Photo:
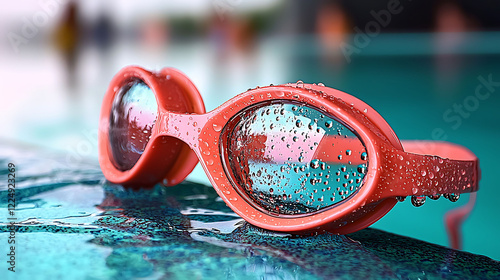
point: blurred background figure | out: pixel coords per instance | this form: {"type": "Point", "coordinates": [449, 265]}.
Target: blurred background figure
{"type": "Point", "coordinates": [416, 62]}
{"type": "Point", "coordinates": [154, 34]}
{"type": "Point", "coordinates": [451, 25]}
{"type": "Point", "coordinates": [68, 36]}
{"type": "Point", "coordinates": [233, 41]}
{"type": "Point", "coordinates": [332, 29]}
{"type": "Point", "coordinates": [103, 31]}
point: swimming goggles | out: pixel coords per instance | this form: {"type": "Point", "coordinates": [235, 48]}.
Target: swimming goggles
{"type": "Point", "coordinates": [295, 158]}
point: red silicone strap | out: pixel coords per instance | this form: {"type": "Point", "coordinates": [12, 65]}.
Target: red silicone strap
{"type": "Point", "coordinates": [429, 168]}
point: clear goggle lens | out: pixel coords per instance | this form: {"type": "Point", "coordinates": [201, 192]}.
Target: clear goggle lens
{"type": "Point", "coordinates": [133, 115]}
{"type": "Point", "coordinates": [293, 159]}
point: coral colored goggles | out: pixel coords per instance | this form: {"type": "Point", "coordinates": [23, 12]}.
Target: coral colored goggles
{"type": "Point", "coordinates": [295, 157]}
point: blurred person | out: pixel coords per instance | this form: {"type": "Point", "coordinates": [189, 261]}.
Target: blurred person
{"type": "Point", "coordinates": [451, 25]}
{"type": "Point", "coordinates": [232, 35]}
{"type": "Point", "coordinates": [103, 32]}
{"type": "Point", "coordinates": [235, 58]}
{"type": "Point", "coordinates": [332, 25]}
{"type": "Point", "coordinates": [154, 34]}
{"type": "Point", "coordinates": [67, 39]}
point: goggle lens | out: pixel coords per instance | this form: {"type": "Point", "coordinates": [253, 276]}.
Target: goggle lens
{"type": "Point", "coordinates": [131, 122]}
{"type": "Point", "coordinates": [293, 159]}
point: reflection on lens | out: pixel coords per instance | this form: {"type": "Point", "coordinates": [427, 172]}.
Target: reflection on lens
{"type": "Point", "coordinates": [294, 159]}
{"type": "Point", "coordinates": [132, 118]}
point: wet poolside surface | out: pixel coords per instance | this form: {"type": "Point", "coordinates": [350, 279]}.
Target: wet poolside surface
{"type": "Point", "coordinates": [72, 224]}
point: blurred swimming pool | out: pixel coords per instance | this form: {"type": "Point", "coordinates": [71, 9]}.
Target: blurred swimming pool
{"type": "Point", "coordinates": [414, 86]}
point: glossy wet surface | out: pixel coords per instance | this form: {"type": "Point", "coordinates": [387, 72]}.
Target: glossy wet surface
{"type": "Point", "coordinates": [71, 224]}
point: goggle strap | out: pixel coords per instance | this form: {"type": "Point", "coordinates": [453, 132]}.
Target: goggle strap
{"type": "Point", "coordinates": [428, 168]}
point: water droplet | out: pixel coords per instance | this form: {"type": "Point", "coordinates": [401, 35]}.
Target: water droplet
{"type": "Point", "coordinates": [314, 163]}
{"type": "Point", "coordinates": [400, 198]}
{"type": "Point", "coordinates": [417, 201]}
{"type": "Point", "coordinates": [423, 173]}
{"type": "Point", "coordinates": [362, 169]}
{"type": "Point", "coordinates": [329, 124]}
{"type": "Point", "coordinates": [210, 162]}
{"type": "Point", "coordinates": [323, 166]}
{"type": "Point", "coordinates": [217, 127]}
{"type": "Point", "coordinates": [453, 197]}
{"type": "Point", "coordinates": [348, 152]}
{"type": "Point", "coordinates": [414, 190]}
{"type": "Point", "coordinates": [435, 197]}
{"type": "Point", "coordinates": [364, 156]}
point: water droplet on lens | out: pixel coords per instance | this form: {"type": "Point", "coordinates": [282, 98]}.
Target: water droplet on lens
{"type": "Point", "coordinates": [315, 163]}
{"type": "Point", "coordinates": [364, 156]}
{"type": "Point", "coordinates": [329, 124]}
{"type": "Point", "coordinates": [362, 169]}
{"type": "Point", "coordinates": [348, 152]}
{"type": "Point", "coordinates": [298, 123]}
